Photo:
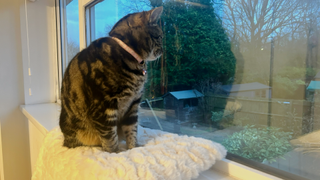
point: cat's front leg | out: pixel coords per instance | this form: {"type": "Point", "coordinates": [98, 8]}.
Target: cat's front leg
{"type": "Point", "coordinates": [129, 124]}
{"type": "Point", "coordinates": [130, 132]}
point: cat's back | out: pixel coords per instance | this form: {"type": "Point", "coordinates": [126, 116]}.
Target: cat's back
{"type": "Point", "coordinates": [102, 70]}
{"type": "Point", "coordinates": [100, 60]}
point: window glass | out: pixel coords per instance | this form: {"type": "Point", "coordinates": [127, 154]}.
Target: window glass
{"type": "Point", "coordinates": [68, 33]}
{"type": "Point", "coordinates": [105, 14]}
{"type": "Point", "coordinates": [252, 66]}
{"type": "Point", "coordinates": [69, 30]}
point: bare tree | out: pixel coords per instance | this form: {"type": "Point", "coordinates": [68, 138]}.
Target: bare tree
{"type": "Point", "coordinates": [72, 49]}
{"type": "Point", "coordinates": [311, 22]}
{"type": "Point", "coordinates": [107, 28]}
{"type": "Point", "coordinates": [253, 23]}
{"type": "Point", "coordinates": [134, 5]}
{"type": "Point", "coordinates": [255, 20]}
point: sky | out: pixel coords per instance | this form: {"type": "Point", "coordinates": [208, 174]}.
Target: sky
{"type": "Point", "coordinates": [72, 14]}
{"type": "Point", "coordinates": [107, 13]}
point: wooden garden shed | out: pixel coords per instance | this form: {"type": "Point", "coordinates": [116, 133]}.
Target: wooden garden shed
{"type": "Point", "coordinates": [179, 104]}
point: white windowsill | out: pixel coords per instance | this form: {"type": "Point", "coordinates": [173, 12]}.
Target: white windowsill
{"type": "Point", "coordinates": [46, 116]}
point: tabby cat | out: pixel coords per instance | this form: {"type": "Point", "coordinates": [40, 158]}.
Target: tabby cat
{"type": "Point", "coordinates": [102, 85]}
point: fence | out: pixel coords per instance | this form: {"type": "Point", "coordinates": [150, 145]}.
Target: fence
{"type": "Point", "coordinates": [316, 116]}
{"type": "Point", "coordinates": [291, 115]}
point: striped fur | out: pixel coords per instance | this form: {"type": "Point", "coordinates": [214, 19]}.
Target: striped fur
{"type": "Point", "coordinates": [102, 85]}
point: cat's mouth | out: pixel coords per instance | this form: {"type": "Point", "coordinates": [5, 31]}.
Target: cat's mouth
{"type": "Point", "coordinates": [154, 55]}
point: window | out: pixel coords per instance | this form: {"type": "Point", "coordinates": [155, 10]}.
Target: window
{"type": "Point", "coordinates": [235, 46]}
{"type": "Point", "coordinates": [69, 30]}
{"type": "Point", "coordinates": [69, 35]}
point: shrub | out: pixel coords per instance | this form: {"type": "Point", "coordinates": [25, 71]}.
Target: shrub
{"type": "Point", "coordinates": [216, 116]}
{"type": "Point", "coordinates": [222, 119]}
{"type": "Point", "coordinates": [297, 72]}
{"type": "Point", "coordinates": [285, 84]}
{"type": "Point", "coordinates": [219, 115]}
{"type": "Point", "coordinates": [259, 144]}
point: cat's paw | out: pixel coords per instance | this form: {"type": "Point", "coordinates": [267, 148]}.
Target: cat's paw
{"type": "Point", "coordinates": [139, 145]}
{"type": "Point", "coordinates": [121, 149]}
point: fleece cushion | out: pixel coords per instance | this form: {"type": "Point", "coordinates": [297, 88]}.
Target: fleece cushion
{"type": "Point", "coordinates": [163, 156]}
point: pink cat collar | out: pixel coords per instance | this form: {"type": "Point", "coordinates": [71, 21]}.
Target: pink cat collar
{"type": "Point", "coordinates": [128, 49]}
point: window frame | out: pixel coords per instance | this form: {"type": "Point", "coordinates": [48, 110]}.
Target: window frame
{"type": "Point", "coordinates": [90, 25]}
{"type": "Point", "coordinates": [85, 12]}
{"type": "Point", "coordinates": [61, 45]}
{"type": "Point", "coordinates": [264, 168]}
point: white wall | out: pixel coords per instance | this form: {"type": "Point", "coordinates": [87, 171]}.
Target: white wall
{"type": "Point", "coordinates": [13, 123]}
{"type": "Point", "coordinates": [14, 78]}
{"type": "Point", "coordinates": [38, 38]}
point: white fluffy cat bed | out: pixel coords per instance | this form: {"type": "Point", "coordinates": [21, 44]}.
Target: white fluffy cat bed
{"type": "Point", "coordinates": [163, 156]}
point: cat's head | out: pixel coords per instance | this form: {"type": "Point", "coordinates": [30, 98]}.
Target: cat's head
{"type": "Point", "coordinates": [141, 32]}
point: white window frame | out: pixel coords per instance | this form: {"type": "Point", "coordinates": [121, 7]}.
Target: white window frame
{"type": "Point", "coordinates": [61, 45]}
{"type": "Point", "coordinates": [90, 25]}
{"type": "Point", "coordinates": [86, 34]}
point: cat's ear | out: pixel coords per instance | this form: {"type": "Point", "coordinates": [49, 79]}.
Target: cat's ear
{"type": "Point", "coordinates": [155, 15]}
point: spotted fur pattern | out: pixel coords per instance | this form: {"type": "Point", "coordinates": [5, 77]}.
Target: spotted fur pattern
{"type": "Point", "coordinates": [102, 85]}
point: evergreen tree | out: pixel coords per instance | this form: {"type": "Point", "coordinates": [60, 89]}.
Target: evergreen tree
{"type": "Point", "coordinates": [196, 48]}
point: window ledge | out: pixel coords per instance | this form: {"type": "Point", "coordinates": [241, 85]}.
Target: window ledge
{"type": "Point", "coordinates": [43, 116]}
{"type": "Point", "coordinates": [46, 116]}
